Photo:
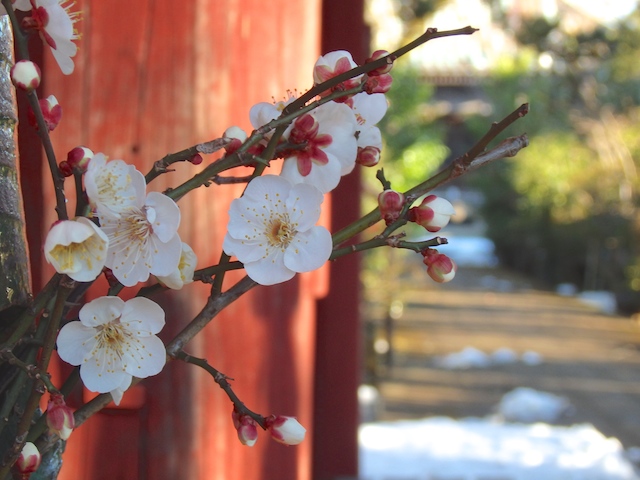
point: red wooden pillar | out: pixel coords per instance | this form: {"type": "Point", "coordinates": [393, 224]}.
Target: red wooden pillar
{"type": "Point", "coordinates": [152, 78]}
{"type": "Point", "coordinates": [338, 338]}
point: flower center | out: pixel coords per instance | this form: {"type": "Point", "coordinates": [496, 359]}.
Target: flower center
{"type": "Point", "coordinates": [280, 230]}
{"type": "Point", "coordinates": [113, 337]}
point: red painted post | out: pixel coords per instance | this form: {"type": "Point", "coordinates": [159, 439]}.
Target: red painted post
{"type": "Point", "coordinates": [338, 338]}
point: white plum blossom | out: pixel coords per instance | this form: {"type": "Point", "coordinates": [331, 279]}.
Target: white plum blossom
{"type": "Point", "coordinates": [118, 392]}
{"type": "Point", "coordinates": [112, 187]}
{"type": "Point", "coordinates": [262, 113]}
{"type": "Point", "coordinates": [114, 341]}
{"type": "Point", "coordinates": [333, 64]}
{"type": "Point", "coordinates": [77, 248]}
{"type": "Point", "coordinates": [54, 23]}
{"type": "Point", "coordinates": [324, 147]}
{"type": "Point", "coordinates": [183, 274]}
{"type": "Point", "coordinates": [144, 240]}
{"type": "Point", "coordinates": [369, 110]}
{"type": "Point", "coordinates": [272, 230]}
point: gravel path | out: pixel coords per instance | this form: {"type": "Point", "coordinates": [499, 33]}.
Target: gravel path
{"type": "Point", "coordinates": [591, 359]}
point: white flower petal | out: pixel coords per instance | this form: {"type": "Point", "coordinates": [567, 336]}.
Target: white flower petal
{"type": "Point", "coordinates": [97, 378]}
{"type": "Point", "coordinates": [304, 204]}
{"type": "Point", "coordinates": [369, 109]}
{"type": "Point", "coordinates": [117, 393]}
{"type": "Point", "coordinates": [101, 310]}
{"type": "Point", "coordinates": [167, 215]}
{"type": "Point", "coordinates": [147, 359]}
{"type": "Point", "coordinates": [309, 250]}
{"type": "Point", "coordinates": [325, 177]}
{"type": "Point", "coordinates": [75, 342]}
{"type": "Point", "coordinates": [270, 270]}
{"type": "Point", "coordinates": [144, 316]}
{"type": "Point", "coordinates": [165, 256]}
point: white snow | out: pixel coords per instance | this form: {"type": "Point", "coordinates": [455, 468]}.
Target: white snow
{"type": "Point", "coordinates": [527, 405]}
{"type": "Point", "coordinates": [441, 448]}
{"type": "Point", "coordinates": [471, 357]}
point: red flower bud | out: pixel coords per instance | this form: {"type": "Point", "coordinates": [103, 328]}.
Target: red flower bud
{"type": "Point", "coordinates": [439, 267]}
{"type": "Point", "coordinates": [285, 430]}
{"type": "Point", "coordinates": [28, 460]}
{"type": "Point", "coordinates": [390, 203]}
{"type": "Point", "coordinates": [433, 213]}
{"type": "Point", "coordinates": [380, 70]}
{"type": "Point", "coordinates": [368, 156]}
{"type": "Point", "coordinates": [25, 75]}
{"type": "Point", "coordinates": [60, 417]}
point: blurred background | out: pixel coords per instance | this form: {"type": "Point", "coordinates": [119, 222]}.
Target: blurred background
{"type": "Point", "coordinates": [547, 293]}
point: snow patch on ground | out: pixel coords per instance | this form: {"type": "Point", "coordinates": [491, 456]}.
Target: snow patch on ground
{"type": "Point", "coordinates": [471, 357]}
{"type": "Point", "coordinates": [441, 448]}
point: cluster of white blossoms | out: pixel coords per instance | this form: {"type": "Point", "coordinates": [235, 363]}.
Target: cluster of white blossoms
{"type": "Point", "coordinates": [272, 227]}
{"type": "Point", "coordinates": [135, 236]}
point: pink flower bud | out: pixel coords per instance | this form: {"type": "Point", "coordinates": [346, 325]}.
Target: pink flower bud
{"type": "Point", "coordinates": [65, 168]}
{"type": "Point", "coordinates": [368, 156]}
{"type": "Point", "coordinates": [196, 159]}
{"type": "Point", "coordinates": [246, 427]}
{"type": "Point", "coordinates": [285, 430]}
{"type": "Point", "coordinates": [25, 75]}
{"type": "Point", "coordinates": [60, 417]}
{"type": "Point", "coordinates": [433, 213]}
{"type": "Point", "coordinates": [237, 136]}
{"type": "Point", "coordinates": [51, 112]}
{"type": "Point", "coordinates": [378, 84]}
{"type": "Point", "coordinates": [79, 158]}
{"type": "Point", "coordinates": [390, 203]}
{"type": "Point", "coordinates": [380, 70]}
{"type": "Point", "coordinates": [28, 460]}
{"type": "Point", "coordinates": [439, 267]}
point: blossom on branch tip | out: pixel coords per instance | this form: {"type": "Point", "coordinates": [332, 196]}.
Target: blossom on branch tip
{"type": "Point", "coordinates": [29, 459]}
{"type": "Point", "coordinates": [331, 65]}
{"type": "Point", "coordinates": [77, 248]}
{"type": "Point", "coordinates": [380, 70]}
{"type": "Point", "coordinates": [323, 147]}
{"type": "Point", "coordinates": [54, 22]}
{"type": "Point", "coordinates": [246, 428]}
{"type": "Point", "coordinates": [439, 267]}
{"type": "Point", "coordinates": [144, 239]}
{"type": "Point", "coordinates": [112, 187]}
{"type": "Point", "coordinates": [60, 417]}
{"type": "Point", "coordinates": [285, 430]}
{"type": "Point", "coordinates": [272, 230]}
{"type": "Point", "coordinates": [114, 341]}
{"type": "Point", "coordinates": [369, 110]}
{"type": "Point", "coordinates": [183, 274]}
{"type": "Point", "coordinates": [26, 75]}
{"type": "Point", "coordinates": [433, 213]}
{"type": "Point", "coordinates": [79, 157]}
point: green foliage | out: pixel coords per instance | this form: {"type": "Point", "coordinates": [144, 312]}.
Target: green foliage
{"type": "Point", "coordinates": [413, 146]}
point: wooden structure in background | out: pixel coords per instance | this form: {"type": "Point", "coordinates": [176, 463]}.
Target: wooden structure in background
{"type": "Point", "coordinates": [156, 77]}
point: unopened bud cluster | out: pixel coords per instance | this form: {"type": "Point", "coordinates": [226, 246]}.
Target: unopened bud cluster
{"type": "Point", "coordinates": [283, 429]}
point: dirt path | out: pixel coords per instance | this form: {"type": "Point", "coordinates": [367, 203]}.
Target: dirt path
{"type": "Point", "coordinates": [591, 359]}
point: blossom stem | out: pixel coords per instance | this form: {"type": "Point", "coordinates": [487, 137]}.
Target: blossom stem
{"type": "Point", "coordinates": [21, 41]}
{"type": "Point", "coordinates": [475, 157]}
{"type": "Point", "coordinates": [430, 34]}
{"type": "Point", "coordinates": [25, 321]}
{"type": "Point", "coordinates": [393, 241]}
{"type": "Point", "coordinates": [214, 305]}
{"type": "Point", "coordinates": [222, 380]}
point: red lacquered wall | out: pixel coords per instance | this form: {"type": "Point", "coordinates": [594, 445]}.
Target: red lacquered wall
{"type": "Point", "coordinates": [158, 76]}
